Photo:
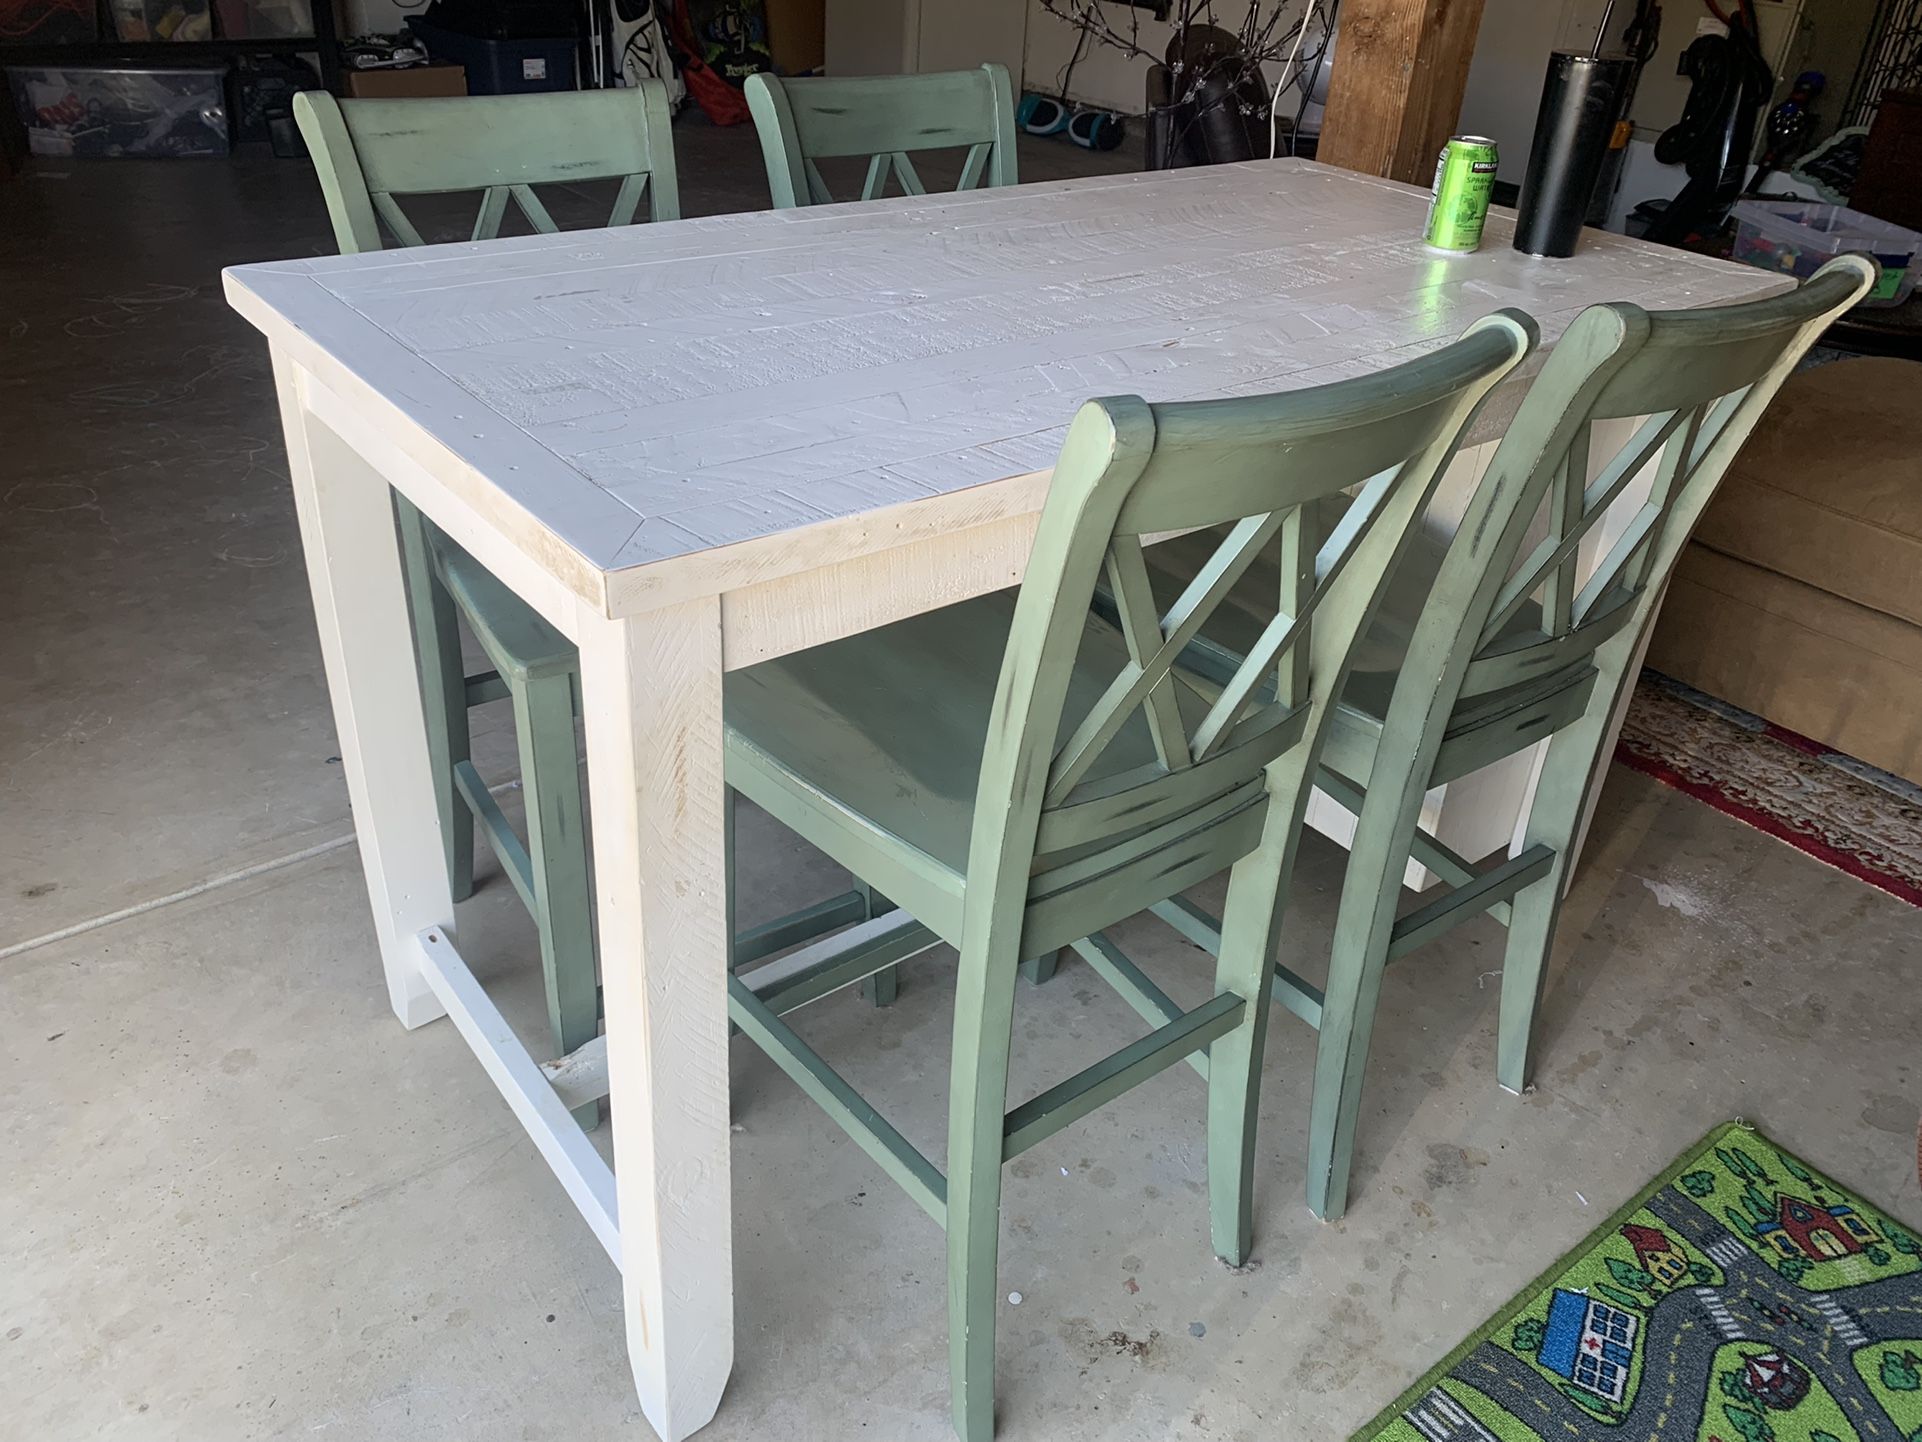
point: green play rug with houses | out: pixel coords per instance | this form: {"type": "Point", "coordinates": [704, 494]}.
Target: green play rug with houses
{"type": "Point", "coordinates": [1743, 1297]}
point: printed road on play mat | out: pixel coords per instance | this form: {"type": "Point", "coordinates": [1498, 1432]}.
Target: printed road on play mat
{"type": "Point", "coordinates": [1744, 1297]}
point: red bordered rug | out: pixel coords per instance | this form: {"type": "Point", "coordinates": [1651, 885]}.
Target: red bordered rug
{"type": "Point", "coordinates": [1837, 809]}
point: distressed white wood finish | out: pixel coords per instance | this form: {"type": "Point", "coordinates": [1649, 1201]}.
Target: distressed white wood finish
{"type": "Point", "coordinates": [579, 1077]}
{"type": "Point", "coordinates": [695, 445]}
{"type": "Point", "coordinates": [651, 701]}
{"type": "Point", "coordinates": [347, 530]}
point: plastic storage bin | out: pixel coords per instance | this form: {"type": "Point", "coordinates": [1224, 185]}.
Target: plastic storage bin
{"type": "Point", "coordinates": [501, 67]}
{"type": "Point", "coordinates": [48, 22]}
{"type": "Point", "coordinates": [77, 110]}
{"type": "Point", "coordinates": [264, 19]}
{"type": "Point", "coordinates": [1798, 236]}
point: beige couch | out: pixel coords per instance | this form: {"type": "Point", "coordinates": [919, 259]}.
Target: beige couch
{"type": "Point", "coordinates": [1800, 596]}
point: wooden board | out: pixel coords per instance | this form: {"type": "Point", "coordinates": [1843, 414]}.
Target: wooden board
{"type": "Point", "coordinates": [1396, 92]}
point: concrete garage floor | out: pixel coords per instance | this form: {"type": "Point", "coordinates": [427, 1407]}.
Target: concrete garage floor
{"type": "Point", "coordinates": [238, 1201]}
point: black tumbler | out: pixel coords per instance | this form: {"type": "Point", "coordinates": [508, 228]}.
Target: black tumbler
{"type": "Point", "coordinates": [1581, 102]}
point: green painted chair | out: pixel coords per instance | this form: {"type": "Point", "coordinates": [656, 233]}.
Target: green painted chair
{"type": "Point", "coordinates": [1487, 645]}
{"type": "Point", "coordinates": [1018, 775]}
{"type": "Point", "coordinates": [886, 118]}
{"type": "Point", "coordinates": [368, 153]}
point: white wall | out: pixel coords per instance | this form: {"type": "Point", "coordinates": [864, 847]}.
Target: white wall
{"type": "Point", "coordinates": [1104, 77]}
{"type": "Point", "coordinates": [1511, 61]}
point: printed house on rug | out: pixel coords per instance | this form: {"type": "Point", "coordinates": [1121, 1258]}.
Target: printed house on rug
{"type": "Point", "coordinates": [1657, 1253]}
{"type": "Point", "coordinates": [1590, 1343]}
{"type": "Point", "coordinates": [1803, 1229]}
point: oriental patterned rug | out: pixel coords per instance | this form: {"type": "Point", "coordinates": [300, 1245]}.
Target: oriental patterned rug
{"type": "Point", "coordinates": [1743, 1297]}
{"type": "Point", "coordinates": [1833, 807]}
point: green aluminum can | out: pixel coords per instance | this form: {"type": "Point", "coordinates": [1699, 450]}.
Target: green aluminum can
{"type": "Point", "coordinates": [1464, 182]}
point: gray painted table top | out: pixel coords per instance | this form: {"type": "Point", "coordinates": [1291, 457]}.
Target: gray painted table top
{"type": "Point", "coordinates": [657, 391]}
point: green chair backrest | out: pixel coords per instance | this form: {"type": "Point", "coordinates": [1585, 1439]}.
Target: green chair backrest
{"type": "Point", "coordinates": [883, 117]}
{"type": "Point", "coordinates": [1500, 619]}
{"type": "Point", "coordinates": [368, 152]}
{"type": "Point", "coordinates": [1068, 845]}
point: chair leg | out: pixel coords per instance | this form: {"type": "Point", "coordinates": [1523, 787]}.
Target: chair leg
{"type": "Point", "coordinates": [557, 846]}
{"type": "Point", "coordinates": [443, 681]}
{"type": "Point", "coordinates": [729, 802]}
{"type": "Point", "coordinates": [977, 1102]}
{"type": "Point", "coordinates": [1531, 936]}
{"type": "Point", "coordinates": [1364, 927]}
{"type": "Point", "coordinates": [1250, 934]}
{"type": "Point", "coordinates": [884, 986]}
{"type": "Point", "coordinates": [1561, 799]}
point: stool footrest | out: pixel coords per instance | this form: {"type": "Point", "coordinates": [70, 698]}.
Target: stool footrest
{"type": "Point", "coordinates": [1291, 991]}
{"type": "Point", "coordinates": [838, 961]}
{"type": "Point", "coordinates": [486, 686]}
{"type": "Point", "coordinates": [1150, 1002]}
{"type": "Point", "coordinates": [756, 942]}
{"type": "Point", "coordinates": [1037, 1120]}
{"type": "Point", "coordinates": [1487, 891]}
{"type": "Point", "coordinates": [848, 1109]}
{"type": "Point", "coordinates": [1449, 865]}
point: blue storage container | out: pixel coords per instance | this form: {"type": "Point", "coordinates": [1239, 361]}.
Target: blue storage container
{"type": "Point", "coordinates": [501, 67]}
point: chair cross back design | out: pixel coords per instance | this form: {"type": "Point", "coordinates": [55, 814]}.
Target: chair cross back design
{"type": "Point", "coordinates": [1017, 775]}
{"type": "Point", "coordinates": [1512, 648]}
{"type": "Point", "coordinates": [370, 152]}
{"type": "Point", "coordinates": [885, 118]}
{"type": "Point", "coordinates": [1488, 651]}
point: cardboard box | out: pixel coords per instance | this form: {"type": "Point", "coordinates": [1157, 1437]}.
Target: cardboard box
{"type": "Point", "coordinates": [414, 83]}
{"type": "Point", "coordinates": [797, 34]}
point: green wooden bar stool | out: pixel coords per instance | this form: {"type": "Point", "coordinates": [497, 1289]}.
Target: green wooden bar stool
{"type": "Point", "coordinates": [367, 153]}
{"type": "Point", "coordinates": [1489, 645]}
{"type": "Point", "coordinates": [886, 118]}
{"type": "Point", "coordinates": [1018, 775]}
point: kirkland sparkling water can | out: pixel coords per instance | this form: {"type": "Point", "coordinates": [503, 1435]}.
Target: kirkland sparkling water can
{"type": "Point", "coordinates": [1464, 181]}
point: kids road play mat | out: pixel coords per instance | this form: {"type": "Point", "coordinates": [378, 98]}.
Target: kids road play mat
{"type": "Point", "coordinates": [1743, 1297]}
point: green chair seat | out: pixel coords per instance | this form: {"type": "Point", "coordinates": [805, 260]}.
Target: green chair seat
{"type": "Point", "coordinates": [885, 731]}
{"type": "Point", "coordinates": [516, 638]}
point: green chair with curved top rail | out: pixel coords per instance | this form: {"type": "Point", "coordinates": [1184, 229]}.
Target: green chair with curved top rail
{"type": "Point", "coordinates": [885, 118]}
{"type": "Point", "coordinates": [1491, 643]}
{"type": "Point", "coordinates": [368, 154]}
{"type": "Point", "coordinates": [1019, 775]}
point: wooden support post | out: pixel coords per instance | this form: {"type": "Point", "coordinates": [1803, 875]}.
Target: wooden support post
{"type": "Point", "coordinates": [1396, 93]}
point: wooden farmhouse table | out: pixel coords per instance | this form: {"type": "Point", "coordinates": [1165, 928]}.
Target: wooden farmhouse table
{"type": "Point", "coordinates": [697, 445]}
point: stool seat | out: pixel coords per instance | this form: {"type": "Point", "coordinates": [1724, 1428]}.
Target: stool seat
{"type": "Point", "coordinates": [520, 643]}
{"type": "Point", "coordinates": [885, 731]}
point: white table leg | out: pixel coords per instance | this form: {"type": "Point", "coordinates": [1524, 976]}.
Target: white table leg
{"type": "Point", "coordinates": [651, 693]}
{"type": "Point", "coordinates": [360, 606]}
